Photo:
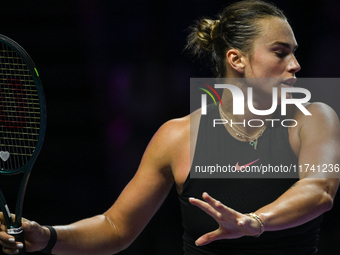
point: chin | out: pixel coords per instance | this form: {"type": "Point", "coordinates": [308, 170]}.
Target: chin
{"type": "Point", "coordinates": [288, 96]}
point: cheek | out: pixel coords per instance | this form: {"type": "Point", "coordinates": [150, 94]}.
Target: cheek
{"type": "Point", "coordinates": [264, 64]}
{"type": "Point", "coordinates": [260, 64]}
{"type": "Point", "coordinates": [268, 67]}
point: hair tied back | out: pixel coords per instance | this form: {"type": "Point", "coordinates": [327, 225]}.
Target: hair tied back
{"type": "Point", "coordinates": [214, 29]}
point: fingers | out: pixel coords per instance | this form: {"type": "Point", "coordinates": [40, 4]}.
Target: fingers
{"type": "Point", "coordinates": [14, 249]}
{"type": "Point", "coordinates": [209, 237]}
{"type": "Point", "coordinates": [205, 207]}
{"type": "Point", "coordinates": [10, 246]}
{"type": "Point", "coordinates": [212, 207]}
{"type": "Point", "coordinates": [2, 218]}
{"type": "Point", "coordinates": [230, 221]}
{"type": "Point", "coordinates": [217, 205]}
{"type": "Point", "coordinates": [33, 234]}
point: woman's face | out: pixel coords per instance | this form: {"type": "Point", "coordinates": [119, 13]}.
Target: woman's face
{"type": "Point", "coordinates": [273, 51]}
{"type": "Point", "coordinates": [273, 54]}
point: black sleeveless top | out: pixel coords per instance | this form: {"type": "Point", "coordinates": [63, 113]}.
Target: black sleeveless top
{"type": "Point", "coordinates": [241, 194]}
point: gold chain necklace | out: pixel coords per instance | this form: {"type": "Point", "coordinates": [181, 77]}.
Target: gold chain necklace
{"type": "Point", "coordinates": [241, 133]}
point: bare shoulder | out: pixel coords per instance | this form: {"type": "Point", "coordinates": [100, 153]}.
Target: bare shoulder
{"type": "Point", "coordinates": [321, 115]}
{"type": "Point", "coordinates": [176, 131]}
{"type": "Point", "coordinates": [170, 138]}
{"type": "Point", "coordinates": [173, 146]}
{"type": "Point", "coordinates": [172, 132]}
{"type": "Point", "coordinates": [322, 109]}
{"type": "Point", "coordinates": [321, 126]}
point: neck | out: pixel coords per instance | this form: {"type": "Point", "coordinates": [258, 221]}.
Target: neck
{"type": "Point", "coordinates": [248, 120]}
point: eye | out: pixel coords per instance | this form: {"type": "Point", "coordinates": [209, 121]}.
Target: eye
{"type": "Point", "coordinates": [280, 54]}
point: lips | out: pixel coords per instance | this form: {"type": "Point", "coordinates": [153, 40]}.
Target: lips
{"type": "Point", "coordinates": [288, 82]}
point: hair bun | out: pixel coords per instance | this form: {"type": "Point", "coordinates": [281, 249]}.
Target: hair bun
{"type": "Point", "coordinates": [214, 29]}
{"type": "Point", "coordinates": [206, 33]}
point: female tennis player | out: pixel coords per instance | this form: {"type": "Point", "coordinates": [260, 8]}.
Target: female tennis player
{"type": "Point", "coordinates": [250, 39]}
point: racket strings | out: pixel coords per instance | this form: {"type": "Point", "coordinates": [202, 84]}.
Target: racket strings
{"type": "Point", "coordinates": [8, 122]}
{"type": "Point", "coordinates": [19, 110]}
{"type": "Point", "coordinates": [15, 90]}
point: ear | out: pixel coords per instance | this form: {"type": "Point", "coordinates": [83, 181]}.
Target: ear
{"type": "Point", "coordinates": [236, 60]}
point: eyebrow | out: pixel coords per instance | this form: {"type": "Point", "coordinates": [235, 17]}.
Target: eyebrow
{"type": "Point", "coordinates": [284, 44]}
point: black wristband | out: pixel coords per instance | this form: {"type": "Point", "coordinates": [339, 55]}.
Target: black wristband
{"type": "Point", "coordinates": [51, 242]}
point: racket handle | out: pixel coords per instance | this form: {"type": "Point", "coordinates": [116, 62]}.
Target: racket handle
{"type": "Point", "coordinates": [18, 234]}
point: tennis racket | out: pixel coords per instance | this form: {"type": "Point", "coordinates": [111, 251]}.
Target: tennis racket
{"type": "Point", "coordinates": [22, 124]}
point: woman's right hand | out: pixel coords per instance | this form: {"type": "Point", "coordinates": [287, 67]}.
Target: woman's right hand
{"type": "Point", "coordinates": [36, 237]}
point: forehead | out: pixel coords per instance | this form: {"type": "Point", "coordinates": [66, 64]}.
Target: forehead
{"type": "Point", "coordinates": [273, 30]}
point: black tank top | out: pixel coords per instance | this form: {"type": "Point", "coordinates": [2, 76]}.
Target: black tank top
{"type": "Point", "coordinates": [243, 195]}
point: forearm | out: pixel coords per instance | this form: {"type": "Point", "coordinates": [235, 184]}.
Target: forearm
{"type": "Point", "coordinates": [303, 202]}
{"type": "Point", "coordinates": [96, 235]}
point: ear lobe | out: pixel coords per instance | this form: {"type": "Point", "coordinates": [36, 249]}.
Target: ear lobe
{"type": "Point", "coordinates": [235, 60]}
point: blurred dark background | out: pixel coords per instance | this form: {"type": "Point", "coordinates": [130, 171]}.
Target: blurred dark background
{"type": "Point", "coordinates": [113, 72]}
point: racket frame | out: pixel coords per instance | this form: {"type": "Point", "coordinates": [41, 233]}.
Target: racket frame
{"type": "Point", "coordinates": [14, 227]}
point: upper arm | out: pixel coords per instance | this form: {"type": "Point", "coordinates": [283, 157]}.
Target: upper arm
{"type": "Point", "coordinates": [319, 156]}
{"type": "Point", "coordinates": [147, 190]}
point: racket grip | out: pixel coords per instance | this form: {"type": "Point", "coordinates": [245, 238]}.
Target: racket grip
{"type": "Point", "coordinates": [18, 234]}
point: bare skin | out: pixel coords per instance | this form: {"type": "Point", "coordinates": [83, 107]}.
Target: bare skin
{"type": "Point", "coordinates": [167, 161]}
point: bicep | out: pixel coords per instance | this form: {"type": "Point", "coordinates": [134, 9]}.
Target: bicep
{"type": "Point", "coordinates": [320, 143]}
{"type": "Point", "coordinates": [145, 193]}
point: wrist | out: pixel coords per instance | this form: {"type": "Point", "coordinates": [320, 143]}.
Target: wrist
{"type": "Point", "coordinates": [258, 224]}
{"type": "Point", "coordinates": [46, 234]}
{"type": "Point", "coordinates": [49, 239]}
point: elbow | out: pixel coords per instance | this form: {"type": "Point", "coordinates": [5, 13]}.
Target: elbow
{"type": "Point", "coordinates": [120, 241]}
{"type": "Point", "coordinates": [327, 202]}
{"type": "Point", "coordinates": [328, 194]}
{"type": "Point", "coordinates": [114, 241]}
{"type": "Point", "coordinates": [325, 191]}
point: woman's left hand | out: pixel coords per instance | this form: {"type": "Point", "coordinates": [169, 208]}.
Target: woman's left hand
{"type": "Point", "coordinates": [232, 224]}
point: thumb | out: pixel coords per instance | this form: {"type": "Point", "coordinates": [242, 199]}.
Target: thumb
{"type": "Point", "coordinates": [209, 237]}
{"type": "Point", "coordinates": [30, 226]}
{"type": "Point", "coordinates": [34, 236]}
{"type": "Point", "coordinates": [26, 226]}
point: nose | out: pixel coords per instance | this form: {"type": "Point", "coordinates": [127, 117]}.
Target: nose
{"type": "Point", "coordinates": [294, 65]}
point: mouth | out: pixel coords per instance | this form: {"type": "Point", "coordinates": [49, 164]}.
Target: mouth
{"type": "Point", "coordinates": [288, 82]}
